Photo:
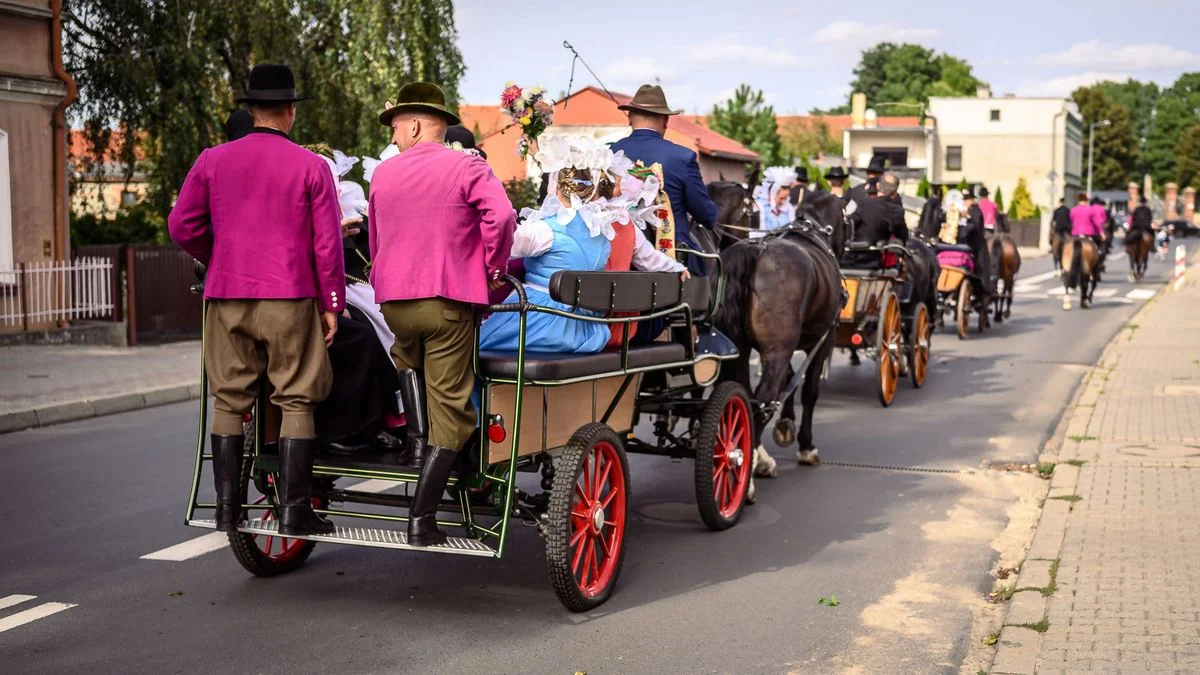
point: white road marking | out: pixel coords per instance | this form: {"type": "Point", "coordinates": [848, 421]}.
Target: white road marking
{"type": "Point", "coordinates": [11, 600]}
{"type": "Point", "coordinates": [192, 548]}
{"type": "Point", "coordinates": [1038, 278]}
{"type": "Point", "coordinates": [215, 541]}
{"type": "Point", "coordinates": [30, 615]}
{"type": "Point", "coordinates": [1023, 289]}
{"type": "Point", "coordinates": [1104, 292]}
{"type": "Point", "coordinates": [1057, 290]}
{"type": "Point", "coordinates": [1140, 294]}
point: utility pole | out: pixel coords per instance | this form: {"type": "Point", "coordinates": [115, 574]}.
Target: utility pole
{"type": "Point", "coordinates": [1092, 149]}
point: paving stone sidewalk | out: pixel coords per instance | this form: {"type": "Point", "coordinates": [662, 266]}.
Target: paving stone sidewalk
{"type": "Point", "coordinates": [48, 384]}
{"type": "Point", "coordinates": [1113, 574]}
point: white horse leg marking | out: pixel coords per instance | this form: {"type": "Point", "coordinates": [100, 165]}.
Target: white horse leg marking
{"type": "Point", "coordinates": [764, 463]}
{"type": "Point", "coordinates": [809, 457]}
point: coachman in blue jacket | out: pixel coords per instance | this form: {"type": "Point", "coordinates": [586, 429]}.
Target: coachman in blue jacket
{"type": "Point", "coordinates": [648, 115]}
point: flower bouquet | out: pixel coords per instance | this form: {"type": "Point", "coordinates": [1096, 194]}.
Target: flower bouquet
{"type": "Point", "coordinates": [529, 109]}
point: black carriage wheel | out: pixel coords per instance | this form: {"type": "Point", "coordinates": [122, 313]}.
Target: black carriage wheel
{"type": "Point", "coordinates": [919, 339]}
{"type": "Point", "coordinates": [724, 450]}
{"type": "Point", "coordinates": [585, 525]}
{"type": "Point", "coordinates": [261, 555]}
{"type": "Point", "coordinates": [888, 343]}
{"type": "Point", "coordinates": [963, 315]}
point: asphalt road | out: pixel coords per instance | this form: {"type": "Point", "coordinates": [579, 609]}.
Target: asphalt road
{"type": "Point", "coordinates": [906, 548]}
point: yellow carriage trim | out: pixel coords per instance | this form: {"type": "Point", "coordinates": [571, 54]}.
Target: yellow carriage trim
{"type": "Point", "coordinates": [851, 286]}
{"type": "Point", "coordinates": [950, 278]}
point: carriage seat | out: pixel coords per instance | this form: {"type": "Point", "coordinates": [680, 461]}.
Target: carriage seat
{"type": "Point", "coordinates": [540, 366]}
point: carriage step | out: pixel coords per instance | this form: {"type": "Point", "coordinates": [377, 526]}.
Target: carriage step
{"type": "Point", "coordinates": [362, 536]}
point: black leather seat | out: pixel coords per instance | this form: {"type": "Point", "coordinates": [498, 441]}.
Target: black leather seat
{"type": "Point", "coordinates": [540, 366]}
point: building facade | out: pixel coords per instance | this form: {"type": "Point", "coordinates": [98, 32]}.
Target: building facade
{"type": "Point", "coordinates": [34, 92]}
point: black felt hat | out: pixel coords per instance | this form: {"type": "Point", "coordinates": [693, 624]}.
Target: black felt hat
{"type": "Point", "coordinates": [983, 192]}
{"type": "Point", "coordinates": [801, 175]}
{"type": "Point", "coordinates": [423, 96]}
{"type": "Point", "coordinates": [877, 164]}
{"type": "Point", "coordinates": [836, 173]}
{"type": "Point", "coordinates": [459, 134]}
{"type": "Point", "coordinates": [271, 83]}
{"type": "Point", "coordinates": [238, 125]}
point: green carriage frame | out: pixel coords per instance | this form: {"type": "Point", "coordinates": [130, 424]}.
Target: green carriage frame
{"type": "Point", "coordinates": [485, 494]}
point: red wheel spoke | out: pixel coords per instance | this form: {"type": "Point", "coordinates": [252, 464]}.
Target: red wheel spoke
{"type": "Point", "coordinates": [589, 560]}
{"type": "Point", "coordinates": [604, 543]}
{"type": "Point", "coordinates": [578, 556]}
{"type": "Point", "coordinates": [737, 440]}
{"type": "Point", "coordinates": [270, 544]}
{"type": "Point", "coordinates": [608, 499]}
{"type": "Point", "coordinates": [595, 562]}
{"type": "Point", "coordinates": [579, 534]}
{"type": "Point", "coordinates": [583, 498]}
{"type": "Point", "coordinates": [603, 479]}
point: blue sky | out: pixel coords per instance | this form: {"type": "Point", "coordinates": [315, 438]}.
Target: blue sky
{"type": "Point", "coordinates": [801, 53]}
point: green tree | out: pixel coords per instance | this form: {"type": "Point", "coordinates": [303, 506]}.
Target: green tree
{"type": "Point", "coordinates": [999, 198]}
{"type": "Point", "coordinates": [522, 193]}
{"type": "Point", "coordinates": [963, 185]}
{"type": "Point", "coordinates": [910, 73]}
{"type": "Point", "coordinates": [1022, 206]}
{"type": "Point", "coordinates": [1115, 158]}
{"type": "Point", "coordinates": [1177, 110]}
{"type": "Point", "coordinates": [1187, 159]}
{"type": "Point", "coordinates": [170, 69]}
{"type": "Point", "coordinates": [804, 141]}
{"type": "Point", "coordinates": [747, 119]}
{"type": "Point", "coordinates": [1139, 97]}
{"type": "Point", "coordinates": [923, 187]}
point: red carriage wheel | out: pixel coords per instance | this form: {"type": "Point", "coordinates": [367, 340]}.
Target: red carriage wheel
{"type": "Point", "coordinates": [888, 338]}
{"type": "Point", "coordinates": [724, 450]}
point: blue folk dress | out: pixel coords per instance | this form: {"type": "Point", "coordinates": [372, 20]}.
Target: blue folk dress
{"type": "Point", "coordinates": [574, 249]}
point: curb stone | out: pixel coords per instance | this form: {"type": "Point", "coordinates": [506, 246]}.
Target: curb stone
{"type": "Point", "coordinates": [71, 411]}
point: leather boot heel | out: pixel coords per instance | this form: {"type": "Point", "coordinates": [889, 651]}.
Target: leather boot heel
{"type": "Point", "coordinates": [227, 471]}
{"type": "Point", "coordinates": [295, 482]}
{"type": "Point", "coordinates": [422, 524]}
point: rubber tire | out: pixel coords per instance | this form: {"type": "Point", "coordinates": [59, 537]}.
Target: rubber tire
{"type": "Point", "coordinates": [245, 548]}
{"type": "Point", "coordinates": [706, 442]}
{"type": "Point", "coordinates": [963, 311]}
{"type": "Point", "coordinates": [568, 467]}
{"type": "Point", "coordinates": [918, 380]}
{"type": "Point", "coordinates": [889, 304]}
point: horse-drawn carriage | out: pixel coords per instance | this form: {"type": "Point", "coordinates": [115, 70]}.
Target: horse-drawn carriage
{"type": "Point", "coordinates": [550, 450]}
{"type": "Point", "coordinates": [881, 318]}
{"type": "Point", "coordinates": [955, 289]}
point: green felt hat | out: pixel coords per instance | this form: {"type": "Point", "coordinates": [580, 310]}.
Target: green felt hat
{"type": "Point", "coordinates": [422, 96]}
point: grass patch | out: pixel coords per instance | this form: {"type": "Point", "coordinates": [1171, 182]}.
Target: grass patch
{"type": "Point", "coordinates": [1046, 469]}
{"type": "Point", "coordinates": [1075, 462]}
{"type": "Point", "coordinates": [1004, 594]}
{"type": "Point", "coordinates": [831, 601]}
{"type": "Point", "coordinates": [991, 639]}
{"type": "Point", "coordinates": [1077, 438]}
{"type": "Point", "coordinates": [1040, 627]}
{"type": "Point", "coordinates": [1049, 590]}
{"type": "Point", "coordinates": [1133, 326]}
{"type": "Point", "coordinates": [1069, 498]}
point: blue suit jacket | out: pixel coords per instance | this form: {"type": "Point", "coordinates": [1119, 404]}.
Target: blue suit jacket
{"type": "Point", "coordinates": [681, 175]}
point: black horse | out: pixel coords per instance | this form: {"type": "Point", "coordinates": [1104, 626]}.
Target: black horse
{"type": "Point", "coordinates": [783, 293]}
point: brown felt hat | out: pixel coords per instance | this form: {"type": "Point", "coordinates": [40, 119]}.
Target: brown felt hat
{"type": "Point", "coordinates": [651, 99]}
{"type": "Point", "coordinates": [422, 96]}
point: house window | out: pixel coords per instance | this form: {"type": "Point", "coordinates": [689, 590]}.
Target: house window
{"type": "Point", "coordinates": [995, 115]}
{"type": "Point", "coordinates": [129, 199]}
{"type": "Point", "coordinates": [954, 158]}
{"type": "Point", "coordinates": [894, 158]}
{"type": "Point", "coordinates": [6, 233]}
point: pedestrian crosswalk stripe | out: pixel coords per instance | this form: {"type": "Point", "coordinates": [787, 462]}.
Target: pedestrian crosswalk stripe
{"type": "Point", "coordinates": [30, 615]}
{"type": "Point", "coordinates": [1037, 278]}
{"type": "Point", "coordinates": [215, 541]}
{"type": "Point", "coordinates": [1140, 294]}
{"type": "Point", "coordinates": [11, 600]}
{"type": "Point", "coordinates": [1104, 292]}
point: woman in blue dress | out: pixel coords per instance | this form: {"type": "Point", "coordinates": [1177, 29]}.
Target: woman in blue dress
{"type": "Point", "coordinates": [572, 231]}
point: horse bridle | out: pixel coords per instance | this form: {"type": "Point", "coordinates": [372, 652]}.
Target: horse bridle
{"type": "Point", "coordinates": [749, 207]}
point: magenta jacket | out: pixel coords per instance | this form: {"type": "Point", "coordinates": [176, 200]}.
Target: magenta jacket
{"type": "Point", "coordinates": [1083, 222]}
{"type": "Point", "coordinates": [262, 213]}
{"type": "Point", "coordinates": [440, 226]}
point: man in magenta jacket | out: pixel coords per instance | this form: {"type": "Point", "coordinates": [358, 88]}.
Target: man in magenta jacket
{"type": "Point", "coordinates": [441, 231]}
{"type": "Point", "coordinates": [262, 214]}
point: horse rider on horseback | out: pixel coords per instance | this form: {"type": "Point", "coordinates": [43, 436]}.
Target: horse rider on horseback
{"type": "Point", "coordinates": [1142, 219]}
{"type": "Point", "coordinates": [648, 116]}
{"type": "Point", "coordinates": [988, 208]}
{"type": "Point", "coordinates": [1089, 221]}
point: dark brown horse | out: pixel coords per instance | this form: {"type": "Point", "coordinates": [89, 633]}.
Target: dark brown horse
{"type": "Point", "coordinates": [782, 295]}
{"type": "Point", "coordinates": [1080, 260]}
{"type": "Point", "coordinates": [1006, 262]}
{"type": "Point", "coordinates": [1138, 244]}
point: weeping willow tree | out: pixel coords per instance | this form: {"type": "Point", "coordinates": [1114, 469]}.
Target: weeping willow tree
{"type": "Point", "coordinates": [170, 70]}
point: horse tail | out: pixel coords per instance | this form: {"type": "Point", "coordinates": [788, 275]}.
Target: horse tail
{"type": "Point", "coordinates": [1076, 263]}
{"type": "Point", "coordinates": [997, 256]}
{"type": "Point", "coordinates": [740, 263]}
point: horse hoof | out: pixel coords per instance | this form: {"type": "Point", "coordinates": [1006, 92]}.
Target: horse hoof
{"type": "Point", "coordinates": [764, 463]}
{"type": "Point", "coordinates": [1066, 304]}
{"type": "Point", "coordinates": [1007, 313]}
{"type": "Point", "coordinates": [784, 432]}
{"type": "Point", "coordinates": [751, 493]}
{"type": "Point", "coordinates": [811, 457]}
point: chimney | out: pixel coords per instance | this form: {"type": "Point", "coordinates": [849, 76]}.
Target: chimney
{"type": "Point", "coordinates": [858, 110]}
{"type": "Point", "coordinates": [871, 118]}
{"type": "Point", "coordinates": [983, 90]}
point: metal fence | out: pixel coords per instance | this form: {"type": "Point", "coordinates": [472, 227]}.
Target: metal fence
{"type": "Point", "coordinates": [37, 294]}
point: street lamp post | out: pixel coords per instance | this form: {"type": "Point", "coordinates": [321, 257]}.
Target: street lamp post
{"type": "Point", "coordinates": [1092, 148]}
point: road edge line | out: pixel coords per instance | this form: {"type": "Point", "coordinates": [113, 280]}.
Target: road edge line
{"type": "Point", "coordinates": [72, 411]}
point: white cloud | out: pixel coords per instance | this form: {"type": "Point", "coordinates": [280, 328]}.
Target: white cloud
{"type": "Point", "coordinates": [858, 35]}
{"type": "Point", "coordinates": [636, 69]}
{"type": "Point", "coordinates": [731, 50]}
{"type": "Point", "coordinates": [1063, 86]}
{"type": "Point", "coordinates": [1094, 54]}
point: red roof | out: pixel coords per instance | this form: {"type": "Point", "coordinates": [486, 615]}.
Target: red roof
{"type": "Point", "coordinates": [587, 107]}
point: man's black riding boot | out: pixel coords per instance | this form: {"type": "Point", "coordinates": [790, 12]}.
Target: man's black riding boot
{"type": "Point", "coordinates": [227, 470]}
{"type": "Point", "coordinates": [416, 415]}
{"type": "Point", "coordinates": [422, 517]}
{"type": "Point", "coordinates": [295, 489]}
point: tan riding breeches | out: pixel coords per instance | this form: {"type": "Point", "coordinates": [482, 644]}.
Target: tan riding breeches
{"type": "Point", "coordinates": [245, 339]}
{"type": "Point", "coordinates": [434, 336]}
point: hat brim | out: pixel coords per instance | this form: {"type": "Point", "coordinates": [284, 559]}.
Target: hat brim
{"type": "Point", "coordinates": [385, 117]}
{"type": "Point", "coordinates": [269, 100]}
{"type": "Point", "coordinates": [665, 112]}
